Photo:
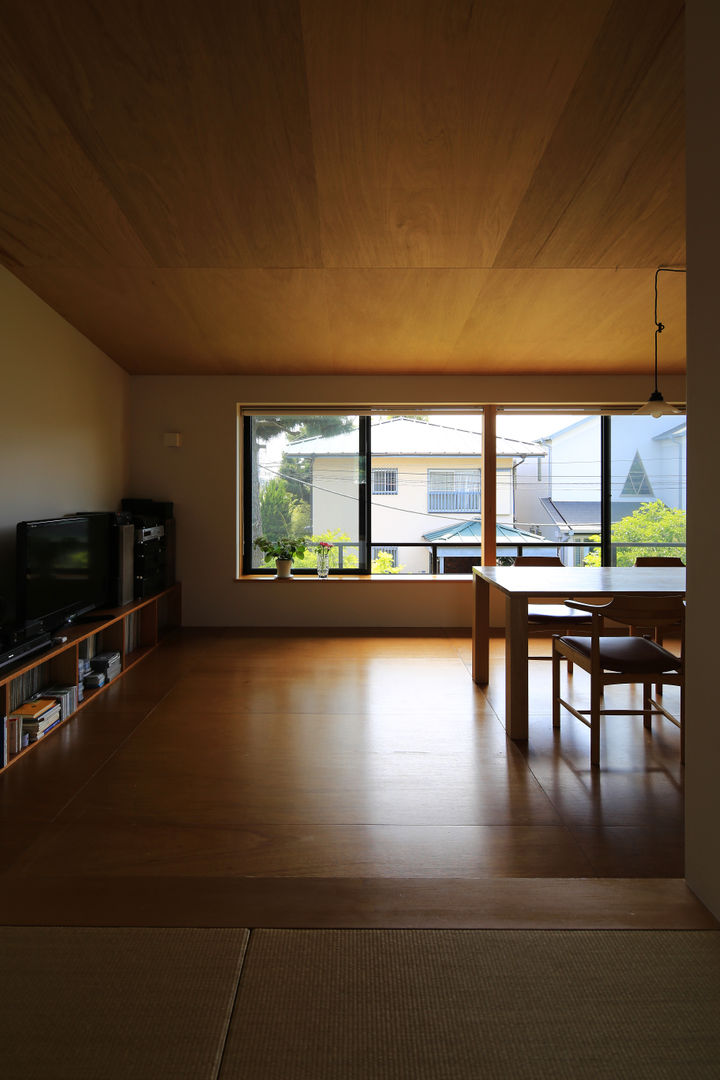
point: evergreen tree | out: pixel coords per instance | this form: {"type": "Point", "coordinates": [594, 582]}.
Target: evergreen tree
{"type": "Point", "coordinates": [297, 472]}
{"type": "Point", "coordinates": [275, 510]}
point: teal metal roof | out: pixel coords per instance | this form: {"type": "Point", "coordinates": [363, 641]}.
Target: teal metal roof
{"type": "Point", "coordinates": [469, 531]}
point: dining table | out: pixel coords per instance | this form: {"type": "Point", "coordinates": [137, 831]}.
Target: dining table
{"type": "Point", "coordinates": [521, 584]}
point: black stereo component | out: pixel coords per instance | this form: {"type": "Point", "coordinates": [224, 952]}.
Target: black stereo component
{"type": "Point", "coordinates": [153, 545]}
{"type": "Point", "coordinates": [150, 510]}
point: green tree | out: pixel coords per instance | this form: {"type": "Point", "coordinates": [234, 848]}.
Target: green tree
{"type": "Point", "coordinates": [335, 537]}
{"type": "Point", "coordinates": [383, 564]}
{"type": "Point", "coordinates": [380, 565]}
{"type": "Point", "coordinates": [275, 510]}
{"type": "Point", "coordinates": [296, 472]}
{"type": "Point", "coordinates": [300, 515]}
{"type": "Point", "coordinates": [653, 525]}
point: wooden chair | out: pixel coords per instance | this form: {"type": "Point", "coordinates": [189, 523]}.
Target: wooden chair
{"type": "Point", "coordinates": [548, 619]}
{"type": "Point", "coordinates": [659, 560]}
{"type": "Point", "coordinates": [610, 660]}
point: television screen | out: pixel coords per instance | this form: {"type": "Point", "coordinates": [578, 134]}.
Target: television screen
{"type": "Point", "coordinates": [63, 567]}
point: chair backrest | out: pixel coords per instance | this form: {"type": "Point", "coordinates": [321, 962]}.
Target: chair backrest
{"type": "Point", "coordinates": [538, 560]}
{"type": "Point", "coordinates": [639, 610]}
{"type": "Point", "coordinates": [659, 560]}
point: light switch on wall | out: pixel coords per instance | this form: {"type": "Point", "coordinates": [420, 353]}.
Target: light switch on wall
{"type": "Point", "coordinates": [172, 438]}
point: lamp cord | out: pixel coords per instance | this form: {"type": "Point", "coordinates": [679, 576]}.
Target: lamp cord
{"type": "Point", "coordinates": [659, 327]}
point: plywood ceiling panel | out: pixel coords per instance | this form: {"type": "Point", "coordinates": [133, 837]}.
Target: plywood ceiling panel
{"type": "Point", "coordinates": [187, 321]}
{"type": "Point", "coordinates": [609, 190]}
{"type": "Point", "coordinates": [54, 205]}
{"type": "Point", "coordinates": [310, 186]}
{"type": "Point", "coordinates": [580, 321]}
{"type": "Point", "coordinates": [429, 119]}
{"type": "Point", "coordinates": [275, 322]}
{"type": "Point", "coordinates": [195, 115]}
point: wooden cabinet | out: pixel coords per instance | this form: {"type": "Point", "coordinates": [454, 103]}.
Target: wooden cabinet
{"type": "Point", "coordinates": [133, 630]}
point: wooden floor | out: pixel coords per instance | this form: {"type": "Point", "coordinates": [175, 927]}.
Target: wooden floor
{"type": "Point", "coordinates": [340, 779]}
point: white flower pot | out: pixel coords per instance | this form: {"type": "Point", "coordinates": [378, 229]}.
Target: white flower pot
{"type": "Point", "coordinates": [284, 568]}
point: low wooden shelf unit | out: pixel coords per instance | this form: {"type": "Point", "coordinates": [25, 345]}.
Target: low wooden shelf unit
{"type": "Point", "coordinates": [133, 630]}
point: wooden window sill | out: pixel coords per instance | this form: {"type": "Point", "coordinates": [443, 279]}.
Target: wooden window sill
{"type": "Point", "coordinates": [357, 577]}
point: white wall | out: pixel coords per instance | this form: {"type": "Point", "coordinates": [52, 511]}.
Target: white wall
{"type": "Point", "coordinates": [574, 462]}
{"type": "Point", "coordinates": [335, 496]}
{"type": "Point", "coordinates": [702, 833]}
{"type": "Point", "coordinates": [63, 433]}
{"type": "Point", "coordinates": [201, 479]}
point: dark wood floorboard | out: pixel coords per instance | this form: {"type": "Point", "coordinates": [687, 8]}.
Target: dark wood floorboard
{"type": "Point", "coordinates": [323, 778]}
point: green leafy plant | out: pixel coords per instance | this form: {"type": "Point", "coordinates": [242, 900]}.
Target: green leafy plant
{"type": "Point", "coordinates": [383, 564]}
{"type": "Point", "coordinates": [651, 525]}
{"type": "Point", "coordinates": [332, 537]}
{"type": "Point", "coordinates": [285, 547]}
{"type": "Point", "coordinates": [276, 510]}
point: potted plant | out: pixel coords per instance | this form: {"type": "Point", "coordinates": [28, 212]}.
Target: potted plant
{"type": "Point", "coordinates": [283, 550]}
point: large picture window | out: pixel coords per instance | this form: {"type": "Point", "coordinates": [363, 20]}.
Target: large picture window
{"type": "Point", "coordinates": [358, 482]}
{"type": "Point", "coordinates": [401, 494]}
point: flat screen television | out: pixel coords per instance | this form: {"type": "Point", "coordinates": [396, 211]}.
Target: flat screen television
{"type": "Point", "coordinates": [63, 568]}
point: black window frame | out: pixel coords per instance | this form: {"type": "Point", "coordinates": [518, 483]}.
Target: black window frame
{"type": "Point", "coordinates": [363, 545]}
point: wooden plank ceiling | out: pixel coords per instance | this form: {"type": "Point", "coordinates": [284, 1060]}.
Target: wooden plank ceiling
{"type": "Point", "coordinates": [312, 186]}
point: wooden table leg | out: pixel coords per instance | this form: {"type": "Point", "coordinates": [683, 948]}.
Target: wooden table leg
{"type": "Point", "coordinates": [481, 631]}
{"type": "Point", "coordinates": [516, 667]}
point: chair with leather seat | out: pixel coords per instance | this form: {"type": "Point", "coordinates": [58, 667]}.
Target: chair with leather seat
{"type": "Point", "coordinates": [610, 660]}
{"type": "Point", "coordinates": [659, 560]}
{"type": "Point", "coordinates": [544, 620]}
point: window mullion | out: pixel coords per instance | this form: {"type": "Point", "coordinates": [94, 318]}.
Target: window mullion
{"type": "Point", "coordinates": [247, 488]}
{"type": "Point", "coordinates": [605, 492]}
{"type": "Point", "coordinates": [365, 501]}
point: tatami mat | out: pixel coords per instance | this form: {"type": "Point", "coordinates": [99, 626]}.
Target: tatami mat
{"type": "Point", "coordinates": [168, 1004]}
{"type": "Point", "coordinates": [116, 1004]}
{"type": "Point", "coordinates": [477, 1005]}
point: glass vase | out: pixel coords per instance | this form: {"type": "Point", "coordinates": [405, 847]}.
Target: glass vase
{"type": "Point", "coordinates": [323, 562]}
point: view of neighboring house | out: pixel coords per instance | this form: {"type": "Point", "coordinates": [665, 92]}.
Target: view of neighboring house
{"type": "Point", "coordinates": [425, 499]}
{"type": "Point", "coordinates": [558, 494]}
{"type": "Point", "coordinates": [426, 479]}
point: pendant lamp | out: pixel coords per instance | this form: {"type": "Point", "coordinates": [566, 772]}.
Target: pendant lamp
{"type": "Point", "coordinates": [656, 405]}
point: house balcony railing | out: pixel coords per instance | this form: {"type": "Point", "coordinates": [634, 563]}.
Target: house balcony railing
{"type": "Point", "coordinates": [576, 551]}
{"type": "Point", "coordinates": [454, 502]}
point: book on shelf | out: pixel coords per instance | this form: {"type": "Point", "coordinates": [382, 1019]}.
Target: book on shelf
{"type": "Point", "coordinates": [33, 710]}
{"type": "Point", "coordinates": [5, 742]}
{"type": "Point", "coordinates": [14, 735]}
{"type": "Point", "coordinates": [42, 729]}
{"type": "Point", "coordinates": [44, 722]}
{"type": "Point", "coordinates": [67, 696]}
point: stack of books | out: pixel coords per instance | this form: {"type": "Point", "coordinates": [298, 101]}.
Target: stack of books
{"type": "Point", "coordinates": [108, 663]}
{"type": "Point", "coordinates": [30, 721]}
{"type": "Point", "coordinates": [66, 695]}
